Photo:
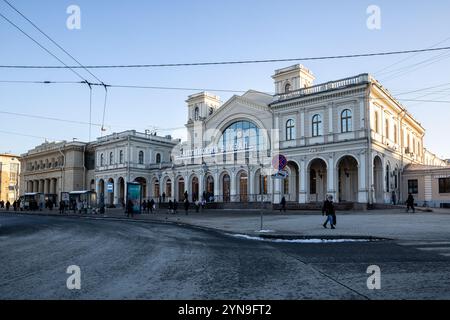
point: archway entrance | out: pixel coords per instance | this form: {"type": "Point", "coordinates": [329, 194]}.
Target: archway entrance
{"type": "Point", "coordinates": [347, 169]}
{"type": "Point", "coordinates": [156, 189]}
{"type": "Point", "coordinates": [194, 189]}
{"type": "Point", "coordinates": [243, 186]}
{"type": "Point", "coordinates": [143, 182]}
{"type": "Point", "coordinates": [121, 191]}
{"type": "Point", "coordinates": [317, 180]}
{"type": "Point", "coordinates": [209, 189]}
{"type": "Point", "coordinates": [226, 181]}
{"type": "Point", "coordinates": [181, 189]}
{"type": "Point", "coordinates": [378, 179]}
{"type": "Point", "coordinates": [290, 184]}
{"type": "Point", "coordinates": [101, 191]}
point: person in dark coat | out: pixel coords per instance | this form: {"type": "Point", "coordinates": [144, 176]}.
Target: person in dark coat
{"type": "Point", "coordinates": [151, 204]}
{"type": "Point", "coordinates": [144, 206]}
{"type": "Point", "coordinates": [410, 203]}
{"type": "Point", "coordinates": [330, 212]}
{"type": "Point", "coordinates": [283, 204]}
{"type": "Point", "coordinates": [175, 206]}
{"type": "Point", "coordinates": [130, 208]}
{"type": "Point", "coordinates": [8, 204]}
{"type": "Point", "coordinates": [170, 207]}
{"type": "Point", "coordinates": [15, 205]}
{"type": "Point", "coordinates": [186, 206]}
{"type": "Point", "coordinates": [62, 207]}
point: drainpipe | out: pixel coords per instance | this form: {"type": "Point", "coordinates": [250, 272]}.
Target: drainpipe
{"type": "Point", "coordinates": [400, 193]}
{"type": "Point", "coordinates": [369, 143]}
{"type": "Point", "coordinates": [84, 167]}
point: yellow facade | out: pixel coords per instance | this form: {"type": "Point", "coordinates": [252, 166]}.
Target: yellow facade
{"type": "Point", "coordinates": [9, 177]}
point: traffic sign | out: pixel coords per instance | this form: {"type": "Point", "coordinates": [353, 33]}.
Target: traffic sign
{"type": "Point", "coordinates": [279, 162]}
{"type": "Point", "coordinates": [282, 174]}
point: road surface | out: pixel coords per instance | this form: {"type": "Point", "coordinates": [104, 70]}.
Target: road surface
{"type": "Point", "coordinates": [138, 260]}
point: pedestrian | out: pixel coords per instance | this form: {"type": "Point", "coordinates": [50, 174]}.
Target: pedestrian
{"type": "Point", "coordinates": [130, 208]}
{"type": "Point", "coordinates": [410, 203]}
{"type": "Point", "coordinates": [15, 205]}
{"type": "Point", "coordinates": [8, 204]}
{"type": "Point", "coordinates": [170, 207]}
{"type": "Point", "coordinates": [185, 194]}
{"type": "Point", "coordinates": [283, 204]}
{"type": "Point", "coordinates": [175, 206]}
{"type": "Point", "coordinates": [329, 211]}
{"type": "Point", "coordinates": [394, 198]}
{"type": "Point", "coordinates": [144, 206]}
{"type": "Point", "coordinates": [151, 206]}
{"type": "Point", "coordinates": [163, 197]}
{"type": "Point", "coordinates": [186, 206]}
{"type": "Point", "coordinates": [50, 205]}
{"type": "Point", "coordinates": [197, 206]}
{"type": "Point", "coordinates": [62, 207]}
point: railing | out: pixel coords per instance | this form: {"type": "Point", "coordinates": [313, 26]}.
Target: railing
{"type": "Point", "coordinates": [332, 85]}
{"type": "Point", "coordinates": [136, 134]}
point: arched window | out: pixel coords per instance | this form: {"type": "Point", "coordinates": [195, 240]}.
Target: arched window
{"type": "Point", "coordinates": [102, 160]}
{"type": "Point", "coordinates": [196, 114]}
{"type": "Point", "coordinates": [316, 125]}
{"type": "Point", "coordinates": [290, 129]}
{"type": "Point", "coordinates": [141, 157]}
{"type": "Point", "coordinates": [241, 136]}
{"type": "Point", "coordinates": [287, 88]}
{"type": "Point", "coordinates": [346, 121]}
{"type": "Point", "coordinates": [111, 158]}
{"type": "Point", "coordinates": [121, 157]}
{"type": "Point", "coordinates": [158, 158]}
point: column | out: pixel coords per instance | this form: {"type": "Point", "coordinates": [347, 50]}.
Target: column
{"type": "Point", "coordinates": [116, 191]}
{"type": "Point", "coordinates": [201, 184]}
{"type": "Point", "coordinates": [251, 185]}
{"type": "Point", "coordinates": [233, 189]}
{"type": "Point", "coordinates": [97, 190]}
{"type": "Point", "coordinates": [363, 194]}
{"type": "Point", "coordinates": [216, 185]}
{"type": "Point", "coordinates": [302, 182]}
{"type": "Point", "coordinates": [276, 191]}
{"type": "Point", "coordinates": [331, 188]}
{"type": "Point", "coordinates": [302, 127]}
{"type": "Point", "coordinates": [46, 186]}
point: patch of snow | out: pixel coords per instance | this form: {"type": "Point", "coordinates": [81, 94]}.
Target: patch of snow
{"type": "Point", "coordinates": [244, 236]}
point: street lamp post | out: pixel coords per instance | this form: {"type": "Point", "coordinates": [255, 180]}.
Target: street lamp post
{"type": "Point", "coordinates": [262, 195]}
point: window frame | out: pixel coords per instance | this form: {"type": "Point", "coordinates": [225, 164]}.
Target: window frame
{"type": "Point", "coordinates": [347, 120]}
{"type": "Point", "coordinates": [444, 185]}
{"type": "Point", "coordinates": [413, 186]}
{"type": "Point", "coordinates": [290, 130]}
{"type": "Point", "coordinates": [316, 125]}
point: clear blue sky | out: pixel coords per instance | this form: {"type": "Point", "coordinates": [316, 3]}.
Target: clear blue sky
{"type": "Point", "coordinates": [131, 32]}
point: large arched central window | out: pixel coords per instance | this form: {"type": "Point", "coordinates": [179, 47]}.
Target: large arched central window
{"type": "Point", "coordinates": [242, 136]}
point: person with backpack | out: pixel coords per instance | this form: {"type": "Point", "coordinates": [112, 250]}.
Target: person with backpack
{"type": "Point", "coordinates": [329, 210]}
{"type": "Point", "coordinates": [410, 203]}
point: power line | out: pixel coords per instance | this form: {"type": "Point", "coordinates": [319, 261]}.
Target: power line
{"type": "Point", "coordinates": [123, 86]}
{"type": "Point", "coordinates": [49, 38]}
{"type": "Point", "coordinates": [72, 57]}
{"type": "Point", "coordinates": [42, 47]}
{"type": "Point", "coordinates": [229, 62]}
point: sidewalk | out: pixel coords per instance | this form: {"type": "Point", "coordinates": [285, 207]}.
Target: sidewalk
{"type": "Point", "coordinates": [392, 224]}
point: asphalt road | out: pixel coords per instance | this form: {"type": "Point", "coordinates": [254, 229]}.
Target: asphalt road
{"type": "Point", "coordinates": [136, 260]}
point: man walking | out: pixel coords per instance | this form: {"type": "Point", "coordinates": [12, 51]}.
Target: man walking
{"type": "Point", "coordinates": [328, 209]}
{"type": "Point", "coordinates": [410, 203]}
{"type": "Point", "coordinates": [283, 204]}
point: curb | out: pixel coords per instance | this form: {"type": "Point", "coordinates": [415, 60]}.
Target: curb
{"type": "Point", "coordinates": [275, 236]}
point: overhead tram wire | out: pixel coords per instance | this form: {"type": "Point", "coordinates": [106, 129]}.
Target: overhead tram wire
{"type": "Point", "coordinates": [348, 56]}
{"type": "Point", "coordinates": [72, 57]}
{"type": "Point", "coordinates": [42, 47]}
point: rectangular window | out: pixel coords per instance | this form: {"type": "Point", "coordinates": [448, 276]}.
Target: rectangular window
{"type": "Point", "coordinates": [444, 185]}
{"type": "Point", "coordinates": [413, 186]}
